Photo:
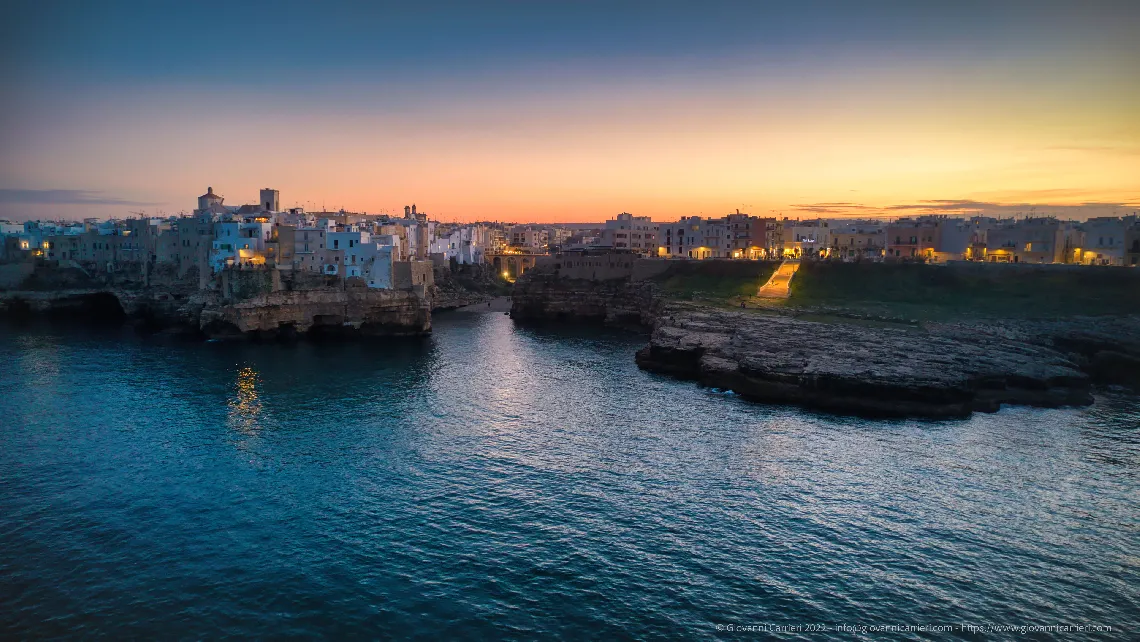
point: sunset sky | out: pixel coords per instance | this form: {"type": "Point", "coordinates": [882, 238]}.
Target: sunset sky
{"type": "Point", "coordinates": [542, 111]}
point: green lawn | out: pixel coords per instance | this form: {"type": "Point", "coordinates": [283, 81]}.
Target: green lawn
{"type": "Point", "coordinates": [919, 291]}
{"type": "Point", "coordinates": [716, 281]}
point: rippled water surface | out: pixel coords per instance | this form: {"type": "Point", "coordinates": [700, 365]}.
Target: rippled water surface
{"type": "Point", "coordinates": [493, 481]}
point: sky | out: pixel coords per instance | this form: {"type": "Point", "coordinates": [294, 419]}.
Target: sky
{"type": "Point", "coordinates": [550, 111]}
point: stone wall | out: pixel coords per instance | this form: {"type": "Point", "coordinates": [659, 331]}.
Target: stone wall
{"type": "Point", "coordinates": [409, 274]}
{"type": "Point", "coordinates": [590, 266]}
{"type": "Point", "coordinates": [238, 283]}
{"type": "Point", "coordinates": [304, 280]}
{"type": "Point", "coordinates": [649, 268]}
{"type": "Point", "coordinates": [548, 293]}
{"type": "Point", "coordinates": [548, 297]}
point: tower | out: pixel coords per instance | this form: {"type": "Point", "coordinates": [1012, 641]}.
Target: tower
{"type": "Point", "coordinates": [271, 199]}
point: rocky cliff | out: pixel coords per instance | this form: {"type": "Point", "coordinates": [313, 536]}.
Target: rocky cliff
{"type": "Point", "coordinates": [355, 311]}
{"type": "Point", "coordinates": [546, 297]}
{"type": "Point", "coordinates": [457, 286]}
{"type": "Point", "coordinates": [352, 311]}
{"type": "Point", "coordinates": [948, 371]}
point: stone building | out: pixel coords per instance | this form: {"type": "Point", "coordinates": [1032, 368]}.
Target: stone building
{"type": "Point", "coordinates": [631, 233]}
{"type": "Point", "coordinates": [911, 238]}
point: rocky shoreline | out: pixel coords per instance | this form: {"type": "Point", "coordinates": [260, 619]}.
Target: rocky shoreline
{"type": "Point", "coordinates": [245, 304]}
{"type": "Point", "coordinates": [845, 365]}
{"type": "Point", "coordinates": [949, 371]}
{"type": "Point", "coordinates": [852, 366]}
{"type": "Point", "coordinates": [355, 311]}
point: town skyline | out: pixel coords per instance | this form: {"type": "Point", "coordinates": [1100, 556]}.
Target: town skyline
{"type": "Point", "coordinates": [546, 114]}
{"type": "Point", "coordinates": [30, 205]}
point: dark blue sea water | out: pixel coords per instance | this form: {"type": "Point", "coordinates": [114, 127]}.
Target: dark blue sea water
{"type": "Point", "coordinates": [494, 482]}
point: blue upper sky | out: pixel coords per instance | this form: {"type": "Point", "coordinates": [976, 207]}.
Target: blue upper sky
{"type": "Point", "coordinates": [233, 42]}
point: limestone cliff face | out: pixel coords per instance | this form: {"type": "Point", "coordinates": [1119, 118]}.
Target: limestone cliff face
{"type": "Point", "coordinates": [546, 297]}
{"type": "Point", "coordinates": [79, 304]}
{"type": "Point", "coordinates": [450, 300]}
{"type": "Point", "coordinates": [360, 310]}
{"type": "Point", "coordinates": [353, 311]}
{"type": "Point", "coordinates": [457, 286]}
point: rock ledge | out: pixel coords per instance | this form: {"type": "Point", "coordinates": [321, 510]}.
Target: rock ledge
{"type": "Point", "coordinates": [944, 371]}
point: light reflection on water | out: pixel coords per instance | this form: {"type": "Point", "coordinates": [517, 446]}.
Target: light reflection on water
{"type": "Point", "coordinates": [492, 481]}
{"type": "Point", "coordinates": [245, 406]}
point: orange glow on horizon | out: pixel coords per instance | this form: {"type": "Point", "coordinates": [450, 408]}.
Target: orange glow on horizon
{"type": "Point", "coordinates": [585, 153]}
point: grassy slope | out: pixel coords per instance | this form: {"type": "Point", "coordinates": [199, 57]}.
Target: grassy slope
{"type": "Point", "coordinates": [714, 281]}
{"type": "Point", "coordinates": [925, 291]}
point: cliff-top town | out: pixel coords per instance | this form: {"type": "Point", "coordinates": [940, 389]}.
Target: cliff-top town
{"type": "Point", "coordinates": [390, 252]}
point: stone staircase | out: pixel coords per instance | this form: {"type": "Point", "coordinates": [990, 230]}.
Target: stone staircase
{"type": "Point", "coordinates": [778, 285]}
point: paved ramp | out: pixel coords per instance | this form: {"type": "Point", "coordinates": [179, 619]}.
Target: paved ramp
{"type": "Point", "coordinates": [778, 286]}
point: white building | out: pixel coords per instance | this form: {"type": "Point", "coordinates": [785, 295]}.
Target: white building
{"type": "Point", "coordinates": [1103, 242]}
{"type": "Point", "coordinates": [227, 238]}
{"type": "Point", "coordinates": [534, 237]}
{"type": "Point", "coordinates": [806, 238]}
{"type": "Point", "coordinates": [629, 232]}
{"type": "Point", "coordinates": [683, 238]}
{"type": "Point", "coordinates": [309, 248]}
{"type": "Point", "coordinates": [355, 246]}
{"type": "Point", "coordinates": [558, 236]}
{"type": "Point", "coordinates": [955, 239]}
{"type": "Point", "coordinates": [378, 271]}
{"type": "Point", "coordinates": [239, 242]}
{"type": "Point", "coordinates": [1032, 240]}
{"type": "Point", "coordinates": [352, 251]}
{"type": "Point", "coordinates": [466, 244]}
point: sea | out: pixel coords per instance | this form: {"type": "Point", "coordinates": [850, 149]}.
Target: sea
{"type": "Point", "coordinates": [494, 481]}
